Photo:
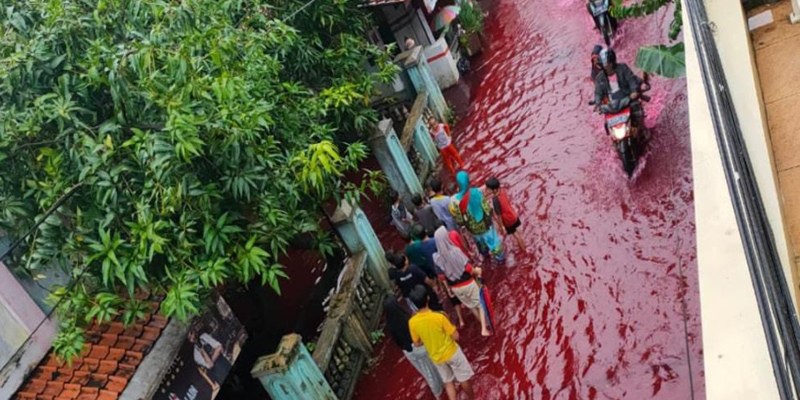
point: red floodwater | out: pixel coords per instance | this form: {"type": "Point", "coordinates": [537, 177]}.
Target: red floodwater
{"type": "Point", "coordinates": [603, 303]}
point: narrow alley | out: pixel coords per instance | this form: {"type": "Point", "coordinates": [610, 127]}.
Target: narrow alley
{"type": "Point", "coordinates": [603, 303]}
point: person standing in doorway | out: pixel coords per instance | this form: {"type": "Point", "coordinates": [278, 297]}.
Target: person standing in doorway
{"type": "Point", "coordinates": [444, 142]}
{"type": "Point", "coordinates": [504, 211]}
{"type": "Point", "coordinates": [397, 324]}
{"type": "Point", "coordinates": [439, 336]}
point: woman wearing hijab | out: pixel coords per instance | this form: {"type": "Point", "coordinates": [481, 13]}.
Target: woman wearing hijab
{"type": "Point", "coordinates": [459, 274]}
{"type": "Point", "coordinates": [397, 325]}
{"type": "Point", "coordinates": [472, 211]}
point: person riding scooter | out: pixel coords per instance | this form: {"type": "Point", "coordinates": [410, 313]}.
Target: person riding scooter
{"type": "Point", "coordinates": [596, 66]}
{"type": "Point", "coordinates": [616, 83]}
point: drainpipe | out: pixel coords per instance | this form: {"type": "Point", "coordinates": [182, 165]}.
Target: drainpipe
{"type": "Point", "coordinates": [794, 17]}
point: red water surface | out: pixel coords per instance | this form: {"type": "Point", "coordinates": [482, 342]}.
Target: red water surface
{"type": "Point", "coordinates": [603, 302]}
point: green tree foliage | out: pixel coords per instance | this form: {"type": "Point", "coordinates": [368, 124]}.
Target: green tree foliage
{"type": "Point", "coordinates": [189, 141]}
{"type": "Point", "coordinates": [667, 61]}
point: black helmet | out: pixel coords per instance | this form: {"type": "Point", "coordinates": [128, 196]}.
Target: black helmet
{"type": "Point", "coordinates": [608, 57]}
{"type": "Point", "coordinates": [597, 49]}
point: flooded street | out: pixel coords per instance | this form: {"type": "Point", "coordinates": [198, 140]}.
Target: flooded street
{"type": "Point", "coordinates": [603, 302]}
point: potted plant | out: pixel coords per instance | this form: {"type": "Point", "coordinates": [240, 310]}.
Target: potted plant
{"type": "Point", "coordinates": [471, 27]}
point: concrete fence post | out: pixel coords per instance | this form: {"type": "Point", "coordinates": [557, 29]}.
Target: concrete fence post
{"type": "Point", "coordinates": [422, 79]}
{"type": "Point", "coordinates": [394, 161]}
{"type": "Point", "coordinates": [358, 235]}
{"type": "Point", "coordinates": [424, 143]}
{"type": "Point", "coordinates": [290, 373]}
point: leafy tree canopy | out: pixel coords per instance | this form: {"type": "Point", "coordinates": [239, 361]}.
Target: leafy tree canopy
{"type": "Point", "coordinates": [182, 143]}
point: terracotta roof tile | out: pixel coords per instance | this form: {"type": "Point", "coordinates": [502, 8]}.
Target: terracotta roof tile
{"type": "Point", "coordinates": [159, 322]}
{"type": "Point", "coordinates": [80, 377]}
{"type": "Point", "coordinates": [53, 388]}
{"type": "Point", "coordinates": [34, 386]}
{"type": "Point", "coordinates": [116, 383]}
{"type": "Point", "coordinates": [125, 342]}
{"type": "Point", "coordinates": [104, 367]}
{"type": "Point", "coordinates": [134, 330]}
{"type": "Point", "coordinates": [108, 339]}
{"type": "Point", "coordinates": [44, 372]}
{"type": "Point", "coordinates": [133, 358]}
{"type": "Point", "coordinates": [126, 370]}
{"type": "Point", "coordinates": [107, 367]}
{"type": "Point", "coordinates": [106, 395]}
{"type": "Point", "coordinates": [90, 364]}
{"type": "Point", "coordinates": [115, 328]}
{"type": "Point", "coordinates": [115, 354]}
{"type": "Point", "coordinates": [97, 380]}
{"type": "Point", "coordinates": [88, 393]}
{"type": "Point", "coordinates": [98, 352]}
{"type": "Point", "coordinates": [70, 391]}
{"type": "Point", "coordinates": [63, 374]}
{"type": "Point", "coordinates": [142, 345]}
{"type": "Point", "coordinates": [151, 333]}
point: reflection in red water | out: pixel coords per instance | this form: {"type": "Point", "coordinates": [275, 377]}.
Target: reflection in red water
{"type": "Point", "coordinates": [593, 308]}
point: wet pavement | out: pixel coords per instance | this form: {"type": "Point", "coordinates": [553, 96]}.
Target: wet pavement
{"type": "Point", "coordinates": [603, 302]}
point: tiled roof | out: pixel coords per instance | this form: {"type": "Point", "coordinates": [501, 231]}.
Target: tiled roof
{"type": "Point", "coordinates": [101, 372]}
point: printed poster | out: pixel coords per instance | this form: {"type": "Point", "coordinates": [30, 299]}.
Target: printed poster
{"type": "Point", "coordinates": [212, 345]}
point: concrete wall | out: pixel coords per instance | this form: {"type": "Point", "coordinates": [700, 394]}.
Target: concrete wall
{"type": "Point", "coordinates": [736, 359]}
{"type": "Point", "coordinates": [736, 51]}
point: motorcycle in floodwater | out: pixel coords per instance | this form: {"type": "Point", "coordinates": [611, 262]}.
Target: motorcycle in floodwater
{"type": "Point", "coordinates": [627, 137]}
{"type": "Point", "coordinates": [600, 11]}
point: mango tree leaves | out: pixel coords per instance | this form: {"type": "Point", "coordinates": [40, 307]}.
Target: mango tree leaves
{"type": "Point", "coordinates": [203, 135]}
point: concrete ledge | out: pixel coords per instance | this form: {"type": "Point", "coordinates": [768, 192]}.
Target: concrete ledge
{"type": "Point", "coordinates": [151, 371]}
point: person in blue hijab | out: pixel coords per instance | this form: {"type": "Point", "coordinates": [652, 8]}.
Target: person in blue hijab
{"type": "Point", "coordinates": [471, 210]}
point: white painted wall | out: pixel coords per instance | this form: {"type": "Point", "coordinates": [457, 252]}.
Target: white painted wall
{"type": "Point", "coordinates": [736, 359]}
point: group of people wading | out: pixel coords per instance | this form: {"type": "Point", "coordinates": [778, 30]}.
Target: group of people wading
{"type": "Point", "coordinates": [438, 262]}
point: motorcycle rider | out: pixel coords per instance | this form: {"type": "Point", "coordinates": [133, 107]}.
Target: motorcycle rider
{"type": "Point", "coordinates": [611, 18]}
{"type": "Point", "coordinates": [596, 67]}
{"type": "Point", "coordinates": [616, 82]}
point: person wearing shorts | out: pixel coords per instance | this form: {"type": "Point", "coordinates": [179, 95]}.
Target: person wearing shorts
{"type": "Point", "coordinates": [439, 336]}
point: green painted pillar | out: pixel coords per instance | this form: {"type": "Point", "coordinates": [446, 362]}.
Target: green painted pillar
{"type": "Point", "coordinates": [394, 161]}
{"type": "Point", "coordinates": [422, 79]}
{"type": "Point", "coordinates": [357, 233]}
{"type": "Point", "coordinates": [290, 373]}
{"type": "Point", "coordinates": [424, 144]}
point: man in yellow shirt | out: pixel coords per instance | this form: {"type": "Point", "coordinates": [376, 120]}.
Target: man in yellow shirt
{"type": "Point", "coordinates": [439, 335]}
